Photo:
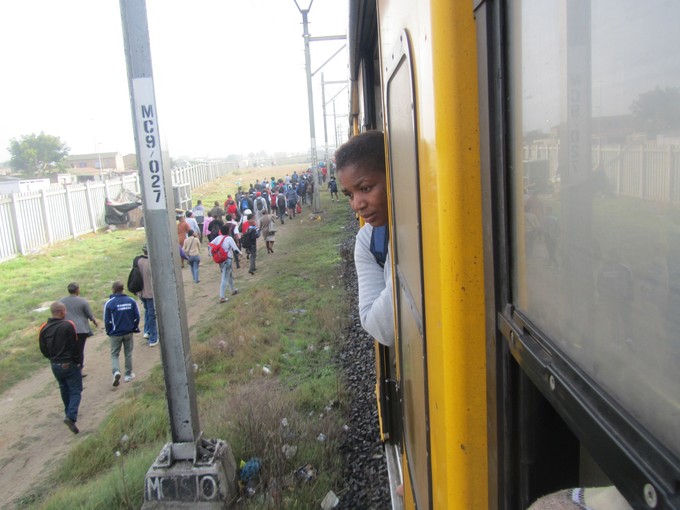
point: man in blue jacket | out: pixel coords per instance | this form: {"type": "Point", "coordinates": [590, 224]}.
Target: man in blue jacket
{"type": "Point", "coordinates": [121, 320]}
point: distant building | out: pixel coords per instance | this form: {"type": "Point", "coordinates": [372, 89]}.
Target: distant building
{"type": "Point", "coordinates": [130, 161]}
{"type": "Point", "coordinates": [104, 162]}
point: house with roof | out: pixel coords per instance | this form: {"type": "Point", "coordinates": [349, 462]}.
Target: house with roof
{"type": "Point", "coordinates": [104, 162]}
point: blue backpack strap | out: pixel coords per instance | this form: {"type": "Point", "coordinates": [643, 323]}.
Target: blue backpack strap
{"type": "Point", "coordinates": [380, 241]}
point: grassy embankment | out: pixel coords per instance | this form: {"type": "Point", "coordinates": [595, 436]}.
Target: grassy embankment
{"type": "Point", "coordinates": [295, 309]}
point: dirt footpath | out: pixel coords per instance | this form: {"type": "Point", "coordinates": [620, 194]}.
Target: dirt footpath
{"type": "Point", "coordinates": [33, 439]}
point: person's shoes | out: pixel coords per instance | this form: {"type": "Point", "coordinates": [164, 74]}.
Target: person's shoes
{"type": "Point", "coordinates": [198, 281]}
{"type": "Point", "coordinates": [83, 376]}
{"type": "Point", "coordinates": [116, 379]}
{"type": "Point", "coordinates": [153, 344]}
{"type": "Point", "coordinates": [234, 292]}
{"type": "Point", "coordinates": [130, 377]}
{"type": "Point", "coordinates": [251, 272]}
{"type": "Point", "coordinates": [146, 335]}
{"type": "Point", "coordinates": [71, 425]}
{"type": "Point", "coordinates": [223, 300]}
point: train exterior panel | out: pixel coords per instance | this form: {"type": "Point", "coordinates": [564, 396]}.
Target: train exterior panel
{"type": "Point", "coordinates": [430, 92]}
{"type": "Point", "coordinates": [532, 151]}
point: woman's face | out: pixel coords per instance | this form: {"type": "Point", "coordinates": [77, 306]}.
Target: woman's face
{"type": "Point", "coordinates": [367, 193]}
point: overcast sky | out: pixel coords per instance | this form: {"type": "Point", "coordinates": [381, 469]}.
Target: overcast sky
{"type": "Point", "coordinates": [229, 75]}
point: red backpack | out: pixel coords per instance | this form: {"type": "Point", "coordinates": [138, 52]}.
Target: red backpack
{"type": "Point", "coordinates": [219, 254]}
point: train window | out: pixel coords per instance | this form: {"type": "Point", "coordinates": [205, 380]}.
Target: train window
{"type": "Point", "coordinates": [595, 177]}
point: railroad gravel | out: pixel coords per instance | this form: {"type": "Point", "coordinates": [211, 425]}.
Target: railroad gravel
{"type": "Point", "coordinates": [365, 470]}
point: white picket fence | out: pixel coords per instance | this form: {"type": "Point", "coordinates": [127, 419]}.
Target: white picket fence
{"type": "Point", "coordinates": [643, 171]}
{"type": "Point", "coordinates": [32, 220]}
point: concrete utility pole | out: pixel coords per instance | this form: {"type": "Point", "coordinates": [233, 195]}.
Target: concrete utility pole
{"type": "Point", "coordinates": [308, 69]}
{"type": "Point", "coordinates": [191, 470]}
{"type": "Point", "coordinates": [325, 128]}
{"type": "Point", "coordinates": [326, 103]}
{"type": "Point", "coordinates": [316, 197]}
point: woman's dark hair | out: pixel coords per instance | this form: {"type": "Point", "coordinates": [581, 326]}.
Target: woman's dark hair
{"type": "Point", "coordinates": [366, 150]}
{"type": "Point", "coordinates": [224, 229]}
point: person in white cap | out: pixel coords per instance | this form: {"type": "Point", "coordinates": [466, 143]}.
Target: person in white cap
{"type": "Point", "coordinates": [243, 226]}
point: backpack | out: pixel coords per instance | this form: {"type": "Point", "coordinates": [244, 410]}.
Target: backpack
{"type": "Point", "coordinates": [214, 228]}
{"type": "Point", "coordinates": [281, 200]}
{"type": "Point", "coordinates": [135, 282]}
{"type": "Point", "coordinates": [244, 204]}
{"type": "Point", "coordinates": [259, 203]}
{"type": "Point", "coordinates": [247, 240]}
{"type": "Point", "coordinates": [219, 254]}
{"type": "Point", "coordinates": [380, 242]}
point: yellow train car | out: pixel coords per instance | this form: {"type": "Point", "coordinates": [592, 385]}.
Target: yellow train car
{"type": "Point", "coordinates": [533, 153]}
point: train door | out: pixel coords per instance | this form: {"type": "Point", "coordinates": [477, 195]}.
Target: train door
{"type": "Point", "coordinates": [580, 121]}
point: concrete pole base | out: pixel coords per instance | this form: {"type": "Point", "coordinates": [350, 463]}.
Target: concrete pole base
{"type": "Point", "coordinates": [204, 484]}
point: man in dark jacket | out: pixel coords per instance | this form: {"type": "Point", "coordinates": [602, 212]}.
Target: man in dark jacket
{"type": "Point", "coordinates": [121, 320]}
{"type": "Point", "coordinates": [59, 343]}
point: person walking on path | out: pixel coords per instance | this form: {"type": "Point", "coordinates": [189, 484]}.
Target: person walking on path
{"type": "Point", "coordinates": [191, 221]}
{"type": "Point", "coordinates": [199, 215]}
{"type": "Point", "coordinates": [268, 229]}
{"type": "Point", "coordinates": [192, 248]}
{"type": "Point", "coordinates": [226, 268]}
{"type": "Point", "coordinates": [232, 224]}
{"type": "Point", "coordinates": [59, 343]}
{"type": "Point", "coordinates": [249, 242]}
{"type": "Point", "coordinates": [260, 207]}
{"type": "Point", "coordinates": [291, 197]}
{"type": "Point", "coordinates": [281, 205]}
{"type": "Point", "coordinates": [79, 312]}
{"type": "Point", "coordinates": [146, 295]}
{"type": "Point", "coordinates": [121, 320]}
{"type": "Point", "coordinates": [182, 229]}
{"type": "Point", "coordinates": [333, 188]}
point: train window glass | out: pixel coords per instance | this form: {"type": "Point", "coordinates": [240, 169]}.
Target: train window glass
{"type": "Point", "coordinates": [595, 172]}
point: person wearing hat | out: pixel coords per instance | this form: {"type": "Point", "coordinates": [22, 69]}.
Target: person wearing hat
{"type": "Point", "coordinates": [243, 226]}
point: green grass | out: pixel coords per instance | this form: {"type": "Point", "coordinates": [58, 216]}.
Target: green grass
{"type": "Point", "coordinates": [30, 282]}
{"type": "Point", "coordinates": [253, 376]}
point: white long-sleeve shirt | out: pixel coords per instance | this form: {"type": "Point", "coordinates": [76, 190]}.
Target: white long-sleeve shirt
{"type": "Point", "coordinates": [375, 290]}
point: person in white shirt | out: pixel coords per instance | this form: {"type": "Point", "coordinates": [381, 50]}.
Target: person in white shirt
{"type": "Point", "coordinates": [361, 172]}
{"type": "Point", "coordinates": [230, 247]}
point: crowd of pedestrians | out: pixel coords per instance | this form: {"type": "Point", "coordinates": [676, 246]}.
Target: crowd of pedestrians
{"type": "Point", "coordinates": [236, 226]}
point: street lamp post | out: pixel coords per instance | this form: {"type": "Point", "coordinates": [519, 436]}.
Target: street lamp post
{"type": "Point", "coordinates": [99, 156]}
{"type": "Point", "coordinates": [308, 70]}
